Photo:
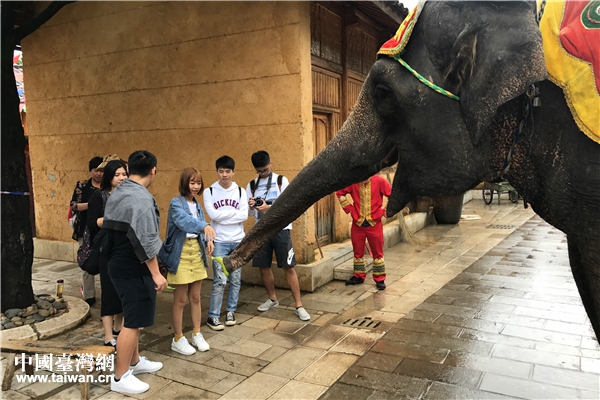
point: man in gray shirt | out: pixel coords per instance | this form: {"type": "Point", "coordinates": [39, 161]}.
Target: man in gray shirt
{"type": "Point", "coordinates": [132, 242]}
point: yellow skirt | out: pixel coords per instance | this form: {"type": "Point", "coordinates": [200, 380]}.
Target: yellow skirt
{"type": "Point", "coordinates": [191, 266]}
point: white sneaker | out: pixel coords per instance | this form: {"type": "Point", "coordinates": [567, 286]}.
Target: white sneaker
{"type": "Point", "coordinates": [267, 305]}
{"type": "Point", "coordinates": [128, 384]}
{"type": "Point", "coordinates": [302, 314]}
{"type": "Point", "coordinates": [182, 346]}
{"type": "Point", "coordinates": [200, 343]}
{"type": "Point", "coordinates": [144, 365]}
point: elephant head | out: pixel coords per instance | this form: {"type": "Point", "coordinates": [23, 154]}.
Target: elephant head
{"type": "Point", "coordinates": [486, 53]}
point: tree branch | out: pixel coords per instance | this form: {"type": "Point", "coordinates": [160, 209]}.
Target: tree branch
{"type": "Point", "coordinates": [39, 20]}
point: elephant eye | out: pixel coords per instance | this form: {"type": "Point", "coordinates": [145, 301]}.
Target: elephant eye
{"type": "Point", "coordinates": [385, 99]}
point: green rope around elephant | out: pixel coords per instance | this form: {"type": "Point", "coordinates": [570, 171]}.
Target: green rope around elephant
{"type": "Point", "coordinates": [424, 80]}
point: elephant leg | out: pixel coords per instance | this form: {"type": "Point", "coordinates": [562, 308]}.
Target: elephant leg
{"type": "Point", "coordinates": [585, 265]}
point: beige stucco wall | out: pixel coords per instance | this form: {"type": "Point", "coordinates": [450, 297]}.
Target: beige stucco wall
{"type": "Point", "coordinates": [188, 81]}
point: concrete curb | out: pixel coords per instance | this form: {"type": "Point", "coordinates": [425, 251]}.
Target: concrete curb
{"type": "Point", "coordinates": [337, 261]}
{"type": "Point", "coordinates": [79, 311]}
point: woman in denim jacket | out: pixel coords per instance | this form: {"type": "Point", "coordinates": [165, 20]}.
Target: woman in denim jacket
{"type": "Point", "coordinates": [189, 241]}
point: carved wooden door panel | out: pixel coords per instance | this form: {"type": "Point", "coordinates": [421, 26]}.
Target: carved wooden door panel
{"type": "Point", "coordinates": [324, 208]}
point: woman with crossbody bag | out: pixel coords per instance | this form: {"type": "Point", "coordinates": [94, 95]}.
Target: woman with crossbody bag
{"type": "Point", "coordinates": [189, 241]}
{"type": "Point", "coordinates": [111, 311]}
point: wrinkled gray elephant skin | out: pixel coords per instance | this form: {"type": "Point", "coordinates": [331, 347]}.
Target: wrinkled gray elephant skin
{"type": "Point", "coordinates": [488, 54]}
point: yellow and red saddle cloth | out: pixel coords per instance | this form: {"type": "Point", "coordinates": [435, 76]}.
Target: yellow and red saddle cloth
{"type": "Point", "coordinates": [571, 39]}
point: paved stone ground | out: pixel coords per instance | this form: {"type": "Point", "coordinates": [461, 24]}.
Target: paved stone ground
{"type": "Point", "coordinates": [511, 325]}
{"type": "Point", "coordinates": [484, 309]}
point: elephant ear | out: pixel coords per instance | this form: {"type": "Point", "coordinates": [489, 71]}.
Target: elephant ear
{"type": "Point", "coordinates": [495, 61]}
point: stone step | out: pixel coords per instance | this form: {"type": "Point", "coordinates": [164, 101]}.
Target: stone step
{"type": "Point", "coordinates": [345, 270]}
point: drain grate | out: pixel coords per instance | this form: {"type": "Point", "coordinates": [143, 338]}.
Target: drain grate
{"type": "Point", "coordinates": [365, 322]}
{"type": "Point", "coordinates": [501, 226]}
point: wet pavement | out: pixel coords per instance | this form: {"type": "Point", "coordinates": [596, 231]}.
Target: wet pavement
{"type": "Point", "coordinates": [486, 309]}
{"type": "Point", "coordinates": [511, 325]}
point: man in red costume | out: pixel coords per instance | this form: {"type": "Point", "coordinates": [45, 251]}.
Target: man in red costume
{"type": "Point", "coordinates": [366, 211]}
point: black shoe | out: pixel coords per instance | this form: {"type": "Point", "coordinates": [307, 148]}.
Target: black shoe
{"type": "Point", "coordinates": [354, 281]}
{"type": "Point", "coordinates": [115, 333]}
{"type": "Point", "coordinates": [380, 285]}
{"type": "Point", "coordinates": [215, 324]}
{"type": "Point", "coordinates": [91, 301]}
{"type": "Point", "coordinates": [230, 318]}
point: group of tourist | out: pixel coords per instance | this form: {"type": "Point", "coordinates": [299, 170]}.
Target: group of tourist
{"type": "Point", "coordinates": [115, 207]}
{"type": "Point", "coordinates": [120, 213]}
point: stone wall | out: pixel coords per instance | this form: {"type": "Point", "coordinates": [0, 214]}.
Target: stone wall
{"type": "Point", "coordinates": [188, 81]}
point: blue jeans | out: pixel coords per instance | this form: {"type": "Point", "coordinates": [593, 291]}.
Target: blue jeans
{"type": "Point", "coordinates": [223, 249]}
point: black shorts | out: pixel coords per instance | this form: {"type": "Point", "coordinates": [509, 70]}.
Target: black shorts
{"type": "Point", "coordinates": [284, 252]}
{"type": "Point", "coordinates": [138, 297]}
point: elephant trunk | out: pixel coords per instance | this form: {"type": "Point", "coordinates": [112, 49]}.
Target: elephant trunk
{"type": "Point", "coordinates": [352, 156]}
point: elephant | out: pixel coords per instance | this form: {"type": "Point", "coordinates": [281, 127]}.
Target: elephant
{"type": "Point", "coordinates": [488, 54]}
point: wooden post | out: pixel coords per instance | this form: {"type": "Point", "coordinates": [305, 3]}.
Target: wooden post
{"type": "Point", "coordinates": [85, 385]}
{"type": "Point", "coordinates": [319, 245]}
{"type": "Point", "coordinates": [9, 372]}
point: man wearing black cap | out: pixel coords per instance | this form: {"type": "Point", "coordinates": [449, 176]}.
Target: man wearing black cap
{"type": "Point", "coordinates": [79, 204]}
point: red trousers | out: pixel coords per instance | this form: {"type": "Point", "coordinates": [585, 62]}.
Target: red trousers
{"type": "Point", "coordinates": [374, 234]}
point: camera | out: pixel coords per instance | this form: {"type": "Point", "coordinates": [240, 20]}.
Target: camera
{"type": "Point", "coordinates": [258, 201]}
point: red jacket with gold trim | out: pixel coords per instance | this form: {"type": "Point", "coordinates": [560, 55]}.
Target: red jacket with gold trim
{"type": "Point", "coordinates": [367, 197]}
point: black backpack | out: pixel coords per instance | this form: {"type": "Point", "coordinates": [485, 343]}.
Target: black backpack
{"type": "Point", "coordinates": [253, 184]}
{"type": "Point", "coordinates": [239, 188]}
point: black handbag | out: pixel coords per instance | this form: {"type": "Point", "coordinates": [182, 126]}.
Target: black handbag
{"type": "Point", "coordinates": [88, 257]}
